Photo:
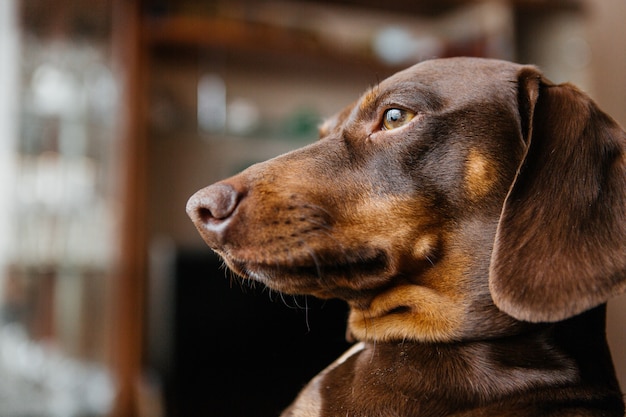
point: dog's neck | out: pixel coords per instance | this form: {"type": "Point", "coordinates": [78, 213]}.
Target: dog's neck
{"type": "Point", "coordinates": [477, 369]}
{"type": "Point", "coordinates": [572, 353]}
{"type": "Point", "coordinates": [567, 361]}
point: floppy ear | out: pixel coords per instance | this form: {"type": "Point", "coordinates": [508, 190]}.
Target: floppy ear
{"type": "Point", "coordinates": [560, 246]}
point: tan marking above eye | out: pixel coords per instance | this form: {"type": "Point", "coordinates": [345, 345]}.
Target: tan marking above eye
{"type": "Point", "coordinates": [368, 100]}
{"type": "Point", "coordinates": [424, 246]}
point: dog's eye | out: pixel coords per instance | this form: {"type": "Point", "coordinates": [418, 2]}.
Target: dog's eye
{"type": "Point", "coordinates": [394, 118]}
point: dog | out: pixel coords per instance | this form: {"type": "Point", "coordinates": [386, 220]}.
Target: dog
{"type": "Point", "coordinates": [473, 216]}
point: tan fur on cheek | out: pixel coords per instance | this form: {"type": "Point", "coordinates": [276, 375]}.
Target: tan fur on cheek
{"type": "Point", "coordinates": [408, 312]}
{"type": "Point", "coordinates": [479, 175]}
{"type": "Point", "coordinates": [388, 222]}
{"type": "Point", "coordinates": [424, 246]}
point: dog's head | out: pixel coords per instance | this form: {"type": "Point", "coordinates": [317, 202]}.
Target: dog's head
{"type": "Point", "coordinates": [456, 199]}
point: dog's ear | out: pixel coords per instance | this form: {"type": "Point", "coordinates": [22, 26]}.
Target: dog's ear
{"type": "Point", "coordinates": [560, 246]}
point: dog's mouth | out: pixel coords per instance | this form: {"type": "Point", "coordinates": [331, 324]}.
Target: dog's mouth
{"type": "Point", "coordinates": [304, 243]}
{"type": "Point", "coordinates": [348, 278]}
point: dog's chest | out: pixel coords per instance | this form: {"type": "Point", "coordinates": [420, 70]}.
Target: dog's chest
{"type": "Point", "coordinates": [400, 380]}
{"type": "Point", "coordinates": [311, 399]}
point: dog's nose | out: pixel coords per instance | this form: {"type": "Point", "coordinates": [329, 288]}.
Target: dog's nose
{"type": "Point", "coordinates": [213, 205]}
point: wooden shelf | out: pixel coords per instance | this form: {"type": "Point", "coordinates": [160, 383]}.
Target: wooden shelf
{"type": "Point", "coordinates": [190, 32]}
{"type": "Point", "coordinates": [224, 33]}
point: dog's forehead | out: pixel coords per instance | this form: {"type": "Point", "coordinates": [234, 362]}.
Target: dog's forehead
{"type": "Point", "coordinates": [455, 78]}
{"type": "Point", "coordinates": [439, 81]}
{"type": "Point", "coordinates": [458, 71]}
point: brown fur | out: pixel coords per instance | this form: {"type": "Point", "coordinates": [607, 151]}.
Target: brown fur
{"type": "Point", "coordinates": [476, 245]}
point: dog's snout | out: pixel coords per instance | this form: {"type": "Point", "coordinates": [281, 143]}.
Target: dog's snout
{"type": "Point", "coordinates": [213, 205]}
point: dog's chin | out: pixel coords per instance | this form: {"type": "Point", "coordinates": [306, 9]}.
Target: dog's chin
{"type": "Point", "coordinates": [345, 280]}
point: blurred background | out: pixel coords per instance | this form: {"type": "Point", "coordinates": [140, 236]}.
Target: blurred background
{"type": "Point", "coordinates": [113, 112]}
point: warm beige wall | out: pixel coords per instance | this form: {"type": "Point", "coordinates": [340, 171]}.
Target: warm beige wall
{"type": "Point", "coordinates": [607, 37]}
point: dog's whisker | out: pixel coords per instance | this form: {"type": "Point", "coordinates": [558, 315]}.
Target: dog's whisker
{"type": "Point", "coordinates": [329, 235]}
{"type": "Point", "coordinates": [319, 209]}
{"type": "Point", "coordinates": [315, 262]}
{"type": "Point", "coordinates": [306, 314]}
{"type": "Point", "coordinates": [297, 303]}
{"type": "Point", "coordinates": [272, 293]}
{"type": "Point", "coordinates": [367, 317]}
{"type": "Point", "coordinates": [282, 297]}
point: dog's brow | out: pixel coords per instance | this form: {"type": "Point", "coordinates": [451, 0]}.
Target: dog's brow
{"type": "Point", "coordinates": [369, 99]}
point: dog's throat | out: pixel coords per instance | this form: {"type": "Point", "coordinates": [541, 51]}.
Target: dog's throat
{"type": "Point", "coordinates": [407, 312]}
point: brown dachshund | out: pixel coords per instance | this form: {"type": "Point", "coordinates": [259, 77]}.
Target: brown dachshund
{"type": "Point", "coordinates": [473, 216]}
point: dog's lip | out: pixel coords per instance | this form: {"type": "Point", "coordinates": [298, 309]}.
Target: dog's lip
{"type": "Point", "coordinates": [320, 278]}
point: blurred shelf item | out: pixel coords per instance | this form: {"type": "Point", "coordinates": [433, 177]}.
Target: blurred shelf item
{"type": "Point", "coordinates": [56, 278]}
{"type": "Point", "coordinates": [424, 8]}
{"type": "Point", "coordinates": [341, 33]}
